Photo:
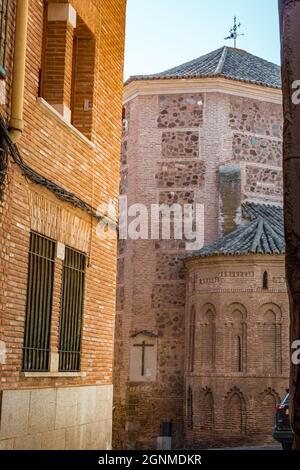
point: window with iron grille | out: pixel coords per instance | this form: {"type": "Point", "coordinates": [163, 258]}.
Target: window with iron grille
{"type": "Point", "coordinates": [71, 310]}
{"type": "Point", "coordinates": [3, 36]}
{"type": "Point", "coordinates": [39, 303]}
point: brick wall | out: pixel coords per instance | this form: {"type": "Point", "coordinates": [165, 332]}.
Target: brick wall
{"type": "Point", "coordinates": [88, 168]}
{"type": "Point", "coordinates": [172, 151]}
{"type": "Point", "coordinates": [241, 403]}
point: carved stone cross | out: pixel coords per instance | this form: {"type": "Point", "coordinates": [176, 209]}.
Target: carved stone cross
{"type": "Point", "coordinates": [143, 345]}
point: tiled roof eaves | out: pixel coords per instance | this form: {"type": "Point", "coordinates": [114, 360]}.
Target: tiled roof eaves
{"type": "Point", "coordinates": [136, 78]}
{"type": "Point", "coordinates": [230, 254]}
{"type": "Point", "coordinates": [263, 234]}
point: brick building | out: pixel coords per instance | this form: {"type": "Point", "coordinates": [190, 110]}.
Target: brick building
{"type": "Point", "coordinates": [202, 334]}
{"type": "Point", "coordinates": [57, 277]}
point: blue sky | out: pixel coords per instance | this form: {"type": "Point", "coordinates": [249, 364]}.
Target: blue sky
{"type": "Point", "coordinates": [164, 33]}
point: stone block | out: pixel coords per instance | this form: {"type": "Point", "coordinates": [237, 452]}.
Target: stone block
{"type": "Point", "coordinates": [104, 404]}
{"type": "Point", "coordinates": [54, 440]}
{"type": "Point", "coordinates": [30, 442]}
{"type": "Point", "coordinates": [105, 437]}
{"type": "Point", "coordinates": [14, 413]}
{"type": "Point", "coordinates": [86, 406]}
{"type": "Point", "coordinates": [42, 410]}
{"type": "Point", "coordinates": [7, 444]}
{"type": "Point", "coordinates": [75, 438]}
{"type": "Point", "coordinates": [92, 436]}
{"type": "Point", "coordinates": [105, 392]}
{"type": "Point", "coordinates": [66, 407]}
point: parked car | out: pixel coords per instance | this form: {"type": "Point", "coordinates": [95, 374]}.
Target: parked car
{"type": "Point", "coordinates": [282, 431]}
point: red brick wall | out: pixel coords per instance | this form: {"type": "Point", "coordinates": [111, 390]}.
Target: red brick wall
{"type": "Point", "coordinates": [91, 171]}
{"type": "Point", "coordinates": [238, 405]}
{"type": "Point", "coordinates": [58, 61]}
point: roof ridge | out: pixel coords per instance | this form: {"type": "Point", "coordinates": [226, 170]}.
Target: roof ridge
{"type": "Point", "coordinates": [221, 61]}
{"type": "Point", "coordinates": [226, 62]}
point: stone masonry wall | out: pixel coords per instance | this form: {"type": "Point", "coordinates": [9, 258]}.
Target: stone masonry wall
{"type": "Point", "coordinates": [173, 146]}
{"type": "Point", "coordinates": [257, 146]}
{"type": "Point", "coordinates": [162, 166]}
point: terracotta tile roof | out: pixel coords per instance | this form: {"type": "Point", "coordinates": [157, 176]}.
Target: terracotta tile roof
{"type": "Point", "coordinates": [227, 62]}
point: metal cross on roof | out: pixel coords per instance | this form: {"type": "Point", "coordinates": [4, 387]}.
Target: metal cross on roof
{"type": "Point", "coordinates": [234, 32]}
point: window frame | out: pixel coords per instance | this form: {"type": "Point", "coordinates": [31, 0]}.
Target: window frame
{"type": "Point", "coordinates": [4, 14]}
{"type": "Point", "coordinates": [65, 328]}
{"type": "Point", "coordinates": [34, 321]}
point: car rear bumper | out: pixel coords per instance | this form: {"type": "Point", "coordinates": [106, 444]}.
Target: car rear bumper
{"type": "Point", "coordinates": [283, 436]}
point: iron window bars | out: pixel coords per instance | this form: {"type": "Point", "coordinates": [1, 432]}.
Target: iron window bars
{"type": "Point", "coordinates": [71, 311]}
{"type": "Point", "coordinates": [36, 349]}
{"type": "Point", "coordinates": [3, 36]}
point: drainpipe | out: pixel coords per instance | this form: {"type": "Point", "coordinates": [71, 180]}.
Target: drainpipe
{"type": "Point", "coordinates": [17, 98]}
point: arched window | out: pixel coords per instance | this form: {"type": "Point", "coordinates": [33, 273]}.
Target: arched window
{"type": "Point", "coordinates": [266, 401]}
{"type": "Point", "coordinates": [269, 343]}
{"type": "Point", "coordinates": [265, 280]}
{"type": "Point", "coordinates": [270, 339]}
{"type": "Point", "coordinates": [205, 415]}
{"type": "Point", "coordinates": [235, 339]}
{"type": "Point", "coordinates": [207, 340]}
{"type": "Point", "coordinates": [190, 411]}
{"type": "Point", "coordinates": [192, 339]}
{"type": "Point", "coordinates": [238, 353]}
{"type": "Point", "coordinates": [235, 413]}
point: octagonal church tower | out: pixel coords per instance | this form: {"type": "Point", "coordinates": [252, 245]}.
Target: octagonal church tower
{"type": "Point", "coordinates": [207, 133]}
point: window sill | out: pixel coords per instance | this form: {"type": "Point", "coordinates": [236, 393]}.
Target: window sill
{"type": "Point", "coordinates": [52, 374]}
{"type": "Point", "coordinates": [46, 106]}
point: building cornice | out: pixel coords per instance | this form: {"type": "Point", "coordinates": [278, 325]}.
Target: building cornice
{"type": "Point", "coordinates": [202, 85]}
{"type": "Point", "coordinates": [241, 260]}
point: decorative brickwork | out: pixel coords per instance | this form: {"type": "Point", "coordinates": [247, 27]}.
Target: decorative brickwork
{"type": "Point", "coordinates": [251, 352]}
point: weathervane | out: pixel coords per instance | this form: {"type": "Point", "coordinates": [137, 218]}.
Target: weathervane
{"type": "Point", "coordinates": [234, 32]}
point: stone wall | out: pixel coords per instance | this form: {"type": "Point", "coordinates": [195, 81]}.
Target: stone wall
{"type": "Point", "coordinates": [257, 147]}
{"type": "Point", "coordinates": [71, 418]}
{"type": "Point", "coordinates": [177, 111]}
{"type": "Point", "coordinates": [256, 117]}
